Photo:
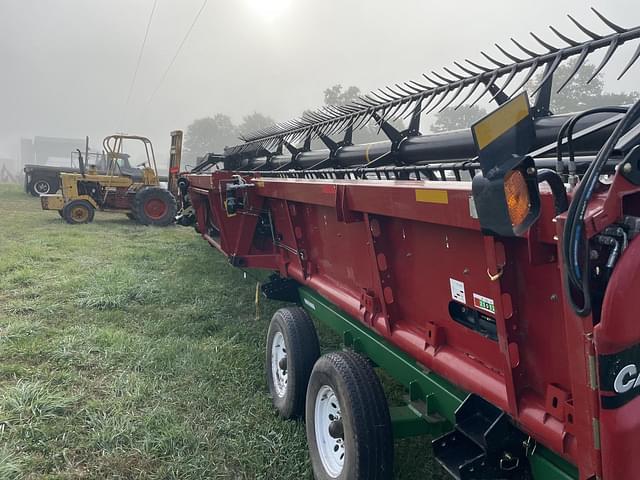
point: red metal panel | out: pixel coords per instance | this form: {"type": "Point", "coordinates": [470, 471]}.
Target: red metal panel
{"type": "Point", "coordinates": [389, 254]}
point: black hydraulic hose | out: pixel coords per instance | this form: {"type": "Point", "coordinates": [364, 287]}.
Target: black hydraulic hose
{"type": "Point", "coordinates": [572, 123]}
{"type": "Point", "coordinates": [574, 237]}
{"type": "Point", "coordinates": [554, 181]}
{"type": "Point", "coordinates": [567, 129]}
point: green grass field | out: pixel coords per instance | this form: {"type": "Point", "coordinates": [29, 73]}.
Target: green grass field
{"type": "Point", "coordinates": [130, 352]}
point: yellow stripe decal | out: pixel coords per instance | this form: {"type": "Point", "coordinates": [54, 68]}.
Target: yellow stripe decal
{"type": "Point", "coordinates": [497, 123]}
{"type": "Point", "coordinates": [432, 196]}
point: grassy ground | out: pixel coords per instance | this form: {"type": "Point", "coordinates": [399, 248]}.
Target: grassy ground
{"type": "Point", "coordinates": [129, 352]}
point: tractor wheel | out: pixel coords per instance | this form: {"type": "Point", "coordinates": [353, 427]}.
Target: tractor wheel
{"type": "Point", "coordinates": [78, 211]}
{"type": "Point", "coordinates": [348, 423]}
{"type": "Point", "coordinates": [43, 185]}
{"type": "Point", "coordinates": [154, 206]}
{"type": "Point", "coordinates": [60, 213]}
{"type": "Point", "coordinates": [292, 349]}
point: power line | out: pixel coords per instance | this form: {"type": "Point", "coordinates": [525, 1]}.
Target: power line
{"type": "Point", "coordinates": [135, 73]}
{"type": "Point", "coordinates": [184, 40]}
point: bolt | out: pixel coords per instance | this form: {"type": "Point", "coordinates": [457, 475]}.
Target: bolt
{"type": "Point", "coordinates": [627, 168]}
{"type": "Point", "coordinates": [553, 297]}
{"type": "Point", "coordinates": [531, 170]}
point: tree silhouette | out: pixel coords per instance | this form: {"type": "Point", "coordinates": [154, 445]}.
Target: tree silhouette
{"type": "Point", "coordinates": [254, 122]}
{"type": "Point", "coordinates": [209, 134]}
{"type": "Point", "coordinates": [579, 95]}
{"type": "Point", "coordinates": [450, 119]}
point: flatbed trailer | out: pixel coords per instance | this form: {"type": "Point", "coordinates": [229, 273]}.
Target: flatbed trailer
{"type": "Point", "coordinates": [498, 289]}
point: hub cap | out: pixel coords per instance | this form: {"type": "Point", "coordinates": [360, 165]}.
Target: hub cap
{"type": "Point", "coordinates": [41, 187]}
{"type": "Point", "coordinates": [155, 208]}
{"type": "Point", "coordinates": [279, 364]}
{"type": "Point", "coordinates": [329, 431]}
{"type": "Point", "coordinates": [79, 214]}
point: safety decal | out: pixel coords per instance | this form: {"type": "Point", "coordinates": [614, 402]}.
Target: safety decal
{"type": "Point", "coordinates": [484, 303]}
{"type": "Point", "coordinates": [457, 291]}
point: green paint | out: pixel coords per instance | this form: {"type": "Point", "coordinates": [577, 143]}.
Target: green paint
{"type": "Point", "coordinates": [433, 400]}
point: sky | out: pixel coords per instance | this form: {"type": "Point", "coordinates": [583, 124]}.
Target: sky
{"type": "Point", "coordinates": [66, 66]}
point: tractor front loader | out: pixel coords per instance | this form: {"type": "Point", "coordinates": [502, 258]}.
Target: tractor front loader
{"type": "Point", "coordinates": [135, 191]}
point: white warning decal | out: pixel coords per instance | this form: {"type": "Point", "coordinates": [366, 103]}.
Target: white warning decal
{"type": "Point", "coordinates": [484, 303]}
{"type": "Point", "coordinates": [457, 290]}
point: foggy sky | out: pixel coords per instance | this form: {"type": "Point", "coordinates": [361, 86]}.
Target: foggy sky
{"type": "Point", "coordinates": [66, 65]}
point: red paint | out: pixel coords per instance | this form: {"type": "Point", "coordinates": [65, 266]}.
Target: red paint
{"type": "Point", "coordinates": [371, 249]}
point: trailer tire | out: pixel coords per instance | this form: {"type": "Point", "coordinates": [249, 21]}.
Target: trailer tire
{"type": "Point", "coordinates": [292, 350]}
{"type": "Point", "coordinates": [348, 423]}
{"type": "Point", "coordinates": [154, 206]}
{"type": "Point", "coordinates": [78, 211]}
{"type": "Point", "coordinates": [43, 185]}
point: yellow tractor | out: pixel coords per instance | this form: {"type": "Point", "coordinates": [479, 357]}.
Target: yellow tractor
{"type": "Point", "coordinates": [135, 191]}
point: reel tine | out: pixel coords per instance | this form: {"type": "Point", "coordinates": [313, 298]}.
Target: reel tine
{"type": "Point", "coordinates": [549, 73]}
{"type": "Point", "coordinates": [451, 72]}
{"type": "Point", "coordinates": [408, 105]}
{"type": "Point", "coordinates": [473, 89]}
{"type": "Point", "coordinates": [493, 60]}
{"type": "Point", "coordinates": [487, 88]}
{"type": "Point", "coordinates": [442, 97]}
{"type": "Point", "coordinates": [397, 95]}
{"type": "Point", "coordinates": [546, 45]}
{"type": "Point", "coordinates": [408, 89]}
{"type": "Point", "coordinates": [609, 23]}
{"type": "Point", "coordinates": [613, 46]}
{"type": "Point", "coordinates": [479, 67]}
{"type": "Point", "coordinates": [466, 70]}
{"type": "Point", "coordinates": [453, 98]}
{"type": "Point", "coordinates": [422, 87]}
{"type": "Point", "coordinates": [531, 53]}
{"type": "Point", "coordinates": [528, 76]}
{"type": "Point", "coordinates": [446, 80]}
{"type": "Point", "coordinates": [635, 57]}
{"type": "Point", "coordinates": [563, 37]}
{"type": "Point", "coordinates": [404, 90]}
{"type": "Point", "coordinates": [432, 96]}
{"type": "Point", "coordinates": [512, 74]}
{"type": "Point", "coordinates": [416, 105]}
{"type": "Point", "coordinates": [507, 54]}
{"type": "Point", "coordinates": [433, 81]}
{"type": "Point", "coordinates": [584, 29]}
{"type": "Point", "coordinates": [380, 98]}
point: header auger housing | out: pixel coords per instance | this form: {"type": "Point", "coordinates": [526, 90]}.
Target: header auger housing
{"type": "Point", "coordinates": [491, 271]}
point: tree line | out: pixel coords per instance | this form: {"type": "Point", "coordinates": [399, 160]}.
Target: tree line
{"type": "Point", "coordinates": [212, 134]}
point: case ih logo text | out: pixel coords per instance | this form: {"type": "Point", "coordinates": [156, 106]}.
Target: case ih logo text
{"type": "Point", "coordinates": [626, 379]}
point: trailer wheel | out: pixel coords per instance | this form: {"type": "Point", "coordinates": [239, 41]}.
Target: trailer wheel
{"type": "Point", "coordinates": [154, 206]}
{"type": "Point", "coordinates": [348, 423]}
{"type": "Point", "coordinates": [292, 349]}
{"type": "Point", "coordinates": [42, 186]}
{"type": "Point", "coordinates": [78, 211]}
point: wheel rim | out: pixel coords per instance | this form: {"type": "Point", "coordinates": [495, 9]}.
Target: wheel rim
{"type": "Point", "coordinates": [278, 361]}
{"type": "Point", "coordinates": [79, 214]}
{"type": "Point", "coordinates": [41, 187]}
{"type": "Point", "coordinates": [155, 208]}
{"type": "Point", "coordinates": [329, 431]}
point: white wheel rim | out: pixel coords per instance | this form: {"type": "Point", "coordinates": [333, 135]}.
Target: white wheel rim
{"type": "Point", "coordinates": [330, 449]}
{"type": "Point", "coordinates": [41, 187]}
{"type": "Point", "coordinates": [278, 359]}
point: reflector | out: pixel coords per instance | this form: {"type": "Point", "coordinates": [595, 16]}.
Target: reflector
{"type": "Point", "coordinates": [517, 195]}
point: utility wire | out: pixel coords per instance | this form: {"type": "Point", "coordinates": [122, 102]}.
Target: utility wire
{"type": "Point", "coordinates": [184, 40]}
{"type": "Point", "coordinates": [142, 47]}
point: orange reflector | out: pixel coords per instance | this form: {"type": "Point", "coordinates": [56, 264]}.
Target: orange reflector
{"type": "Point", "coordinates": [517, 194]}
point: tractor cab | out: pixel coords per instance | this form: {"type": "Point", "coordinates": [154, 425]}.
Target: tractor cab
{"type": "Point", "coordinates": [119, 187]}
